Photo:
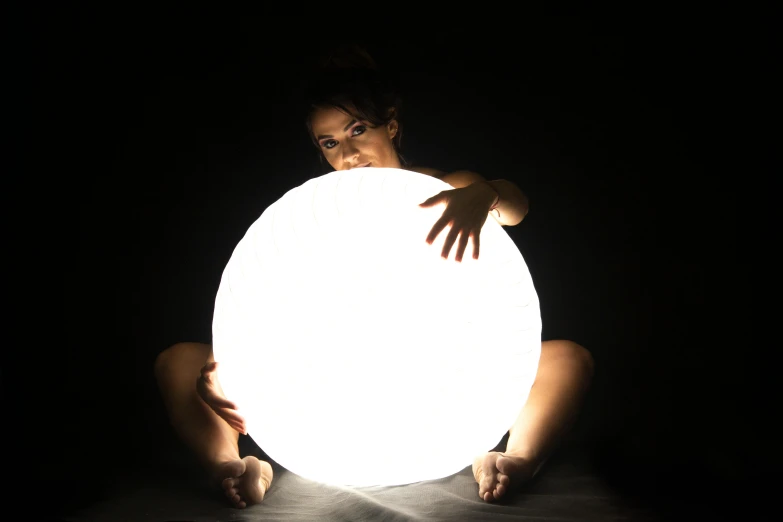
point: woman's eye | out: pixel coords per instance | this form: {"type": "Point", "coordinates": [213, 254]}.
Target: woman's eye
{"type": "Point", "coordinates": [329, 144]}
{"type": "Point", "coordinates": [359, 129]}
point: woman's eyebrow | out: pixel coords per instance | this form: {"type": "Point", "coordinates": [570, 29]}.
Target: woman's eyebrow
{"type": "Point", "coordinates": [322, 136]}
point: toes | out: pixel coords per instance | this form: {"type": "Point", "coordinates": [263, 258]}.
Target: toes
{"type": "Point", "coordinates": [238, 502]}
{"type": "Point", "coordinates": [500, 491]}
{"type": "Point", "coordinates": [486, 474]}
{"type": "Point", "coordinates": [503, 479]}
{"type": "Point", "coordinates": [487, 485]}
{"type": "Point", "coordinates": [484, 488]}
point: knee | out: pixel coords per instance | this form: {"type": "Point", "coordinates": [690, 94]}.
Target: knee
{"type": "Point", "coordinates": [571, 353]}
{"type": "Point", "coordinates": [173, 357]}
{"type": "Point", "coordinates": [165, 359]}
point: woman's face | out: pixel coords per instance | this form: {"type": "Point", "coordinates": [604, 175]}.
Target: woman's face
{"type": "Point", "coordinates": [347, 143]}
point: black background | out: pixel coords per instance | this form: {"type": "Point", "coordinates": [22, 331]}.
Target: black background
{"type": "Point", "coordinates": [156, 140]}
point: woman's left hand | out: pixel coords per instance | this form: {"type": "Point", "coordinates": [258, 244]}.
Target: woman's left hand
{"type": "Point", "coordinates": [466, 211]}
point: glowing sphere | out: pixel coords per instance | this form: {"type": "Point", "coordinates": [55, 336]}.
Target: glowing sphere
{"type": "Point", "coordinates": [356, 353]}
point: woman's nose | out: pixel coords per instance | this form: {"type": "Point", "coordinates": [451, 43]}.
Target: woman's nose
{"type": "Point", "coordinates": [350, 151]}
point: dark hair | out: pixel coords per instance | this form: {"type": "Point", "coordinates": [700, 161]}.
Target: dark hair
{"type": "Point", "coordinates": [348, 79]}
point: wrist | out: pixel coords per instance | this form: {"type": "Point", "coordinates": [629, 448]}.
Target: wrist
{"type": "Point", "coordinates": [495, 193]}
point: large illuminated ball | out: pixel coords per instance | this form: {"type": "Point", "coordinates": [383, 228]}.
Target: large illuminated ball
{"type": "Point", "coordinates": [356, 353]}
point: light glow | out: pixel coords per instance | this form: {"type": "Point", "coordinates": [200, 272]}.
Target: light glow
{"type": "Point", "coordinates": [357, 355]}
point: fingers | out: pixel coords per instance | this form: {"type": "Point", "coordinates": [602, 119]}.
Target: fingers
{"type": "Point", "coordinates": [234, 420]}
{"type": "Point", "coordinates": [450, 239]}
{"type": "Point", "coordinates": [207, 392]}
{"type": "Point", "coordinates": [221, 402]}
{"type": "Point", "coordinates": [437, 228]}
{"type": "Point", "coordinates": [463, 244]}
{"type": "Point", "coordinates": [223, 408]}
{"type": "Point", "coordinates": [429, 202]}
{"type": "Point", "coordinates": [230, 415]}
{"type": "Point", "coordinates": [208, 370]}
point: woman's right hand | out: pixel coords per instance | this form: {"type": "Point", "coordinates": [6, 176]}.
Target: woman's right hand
{"type": "Point", "coordinates": [210, 391]}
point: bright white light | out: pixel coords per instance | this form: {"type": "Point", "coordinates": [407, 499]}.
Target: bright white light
{"type": "Point", "coordinates": [359, 356]}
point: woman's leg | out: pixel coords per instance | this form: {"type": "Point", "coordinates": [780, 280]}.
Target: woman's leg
{"type": "Point", "coordinates": [208, 436]}
{"type": "Point", "coordinates": [565, 371]}
{"type": "Point", "coordinates": [564, 375]}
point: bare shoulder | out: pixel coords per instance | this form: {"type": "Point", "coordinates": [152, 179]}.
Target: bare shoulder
{"type": "Point", "coordinates": [457, 179]}
{"type": "Point", "coordinates": [435, 173]}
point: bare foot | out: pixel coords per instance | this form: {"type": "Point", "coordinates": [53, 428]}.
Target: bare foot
{"type": "Point", "coordinates": [498, 473]}
{"type": "Point", "coordinates": [245, 481]}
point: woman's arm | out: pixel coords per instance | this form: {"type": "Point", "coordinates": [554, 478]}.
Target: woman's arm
{"type": "Point", "coordinates": [513, 205]}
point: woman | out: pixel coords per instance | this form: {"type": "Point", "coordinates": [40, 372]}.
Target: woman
{"type": "Point", "coordinates": [353, 120]}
